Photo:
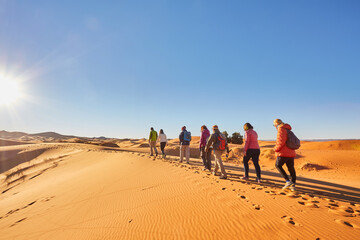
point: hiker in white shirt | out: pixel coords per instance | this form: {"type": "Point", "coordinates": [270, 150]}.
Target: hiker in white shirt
{"type": "Point", "coordinates": [163, 140]}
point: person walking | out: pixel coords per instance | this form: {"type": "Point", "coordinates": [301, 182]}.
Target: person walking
{"type": "Point", "coordinates": [284, 154]}
{"type": "Point", "coordinates": [163, 140]}
{"type": "Point", "coordinates": [152, 141]}
{"type": "Point", "coordinates": [219, 143]}
{"type": "Point", "coordinates": [185, 138]}
{"type": "Point", "coordinates": [251, 151]}
{"type": "Point", "coordinates": [205, 156]}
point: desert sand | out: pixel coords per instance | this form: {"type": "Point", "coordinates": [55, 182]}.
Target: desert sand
{"type": "Point", "coordinates": [98, 190]}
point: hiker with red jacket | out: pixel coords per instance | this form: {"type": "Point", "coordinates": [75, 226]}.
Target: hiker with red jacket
{"type": "Point", "coordinates": [284, 154]}
{"type": "Point", "coordinates": [205, 156]}
{"type": "Point", "coordinates": [251, 151]}
{"type": "Point", "coordinates": [218, 141]}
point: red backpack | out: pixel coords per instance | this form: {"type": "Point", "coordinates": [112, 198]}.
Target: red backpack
{"type": "Point", "coordinates": [221, 142]}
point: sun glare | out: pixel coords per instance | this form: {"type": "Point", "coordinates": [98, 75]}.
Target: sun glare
{"type": "Point", "coordinates": [9, 92]}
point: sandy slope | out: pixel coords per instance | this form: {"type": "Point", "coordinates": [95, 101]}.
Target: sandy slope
{"type": "Point", "coordinates": [5, 142]}
{"type": "Point", "coordinates": [79, 191]}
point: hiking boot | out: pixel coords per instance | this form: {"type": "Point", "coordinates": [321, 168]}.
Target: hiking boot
{"type": "Point", "coordinates": [245, 178]}
{"type": "Point", "coordinates": [287, 185]}
{"type": "Point", "coordinates": [223, 177]}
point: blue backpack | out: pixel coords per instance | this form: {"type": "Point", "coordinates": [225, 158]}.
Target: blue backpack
{"type": "Point", "coordinates": [187, 136]}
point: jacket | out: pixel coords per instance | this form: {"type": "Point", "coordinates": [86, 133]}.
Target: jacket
{"type": "Point", "coordinates": [205, 134]}
{"type": "Point", "coordinates": [213, 140]}
{"type": "Point", "coordinates": [251, 140]}
{"type": "Point", "coordinates": [162, 137]}
{"type": "Point", "coordinates": [280, 149]}
{"type": "Point", "coordinates": [153, 136]}
{"type": "Point", "coordinates": [181, 138]}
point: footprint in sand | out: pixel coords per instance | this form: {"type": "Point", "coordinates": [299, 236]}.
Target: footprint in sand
{"type": "Point", "coordinates": [242, 196]}
{"type": "Point", "coordinates": [18, 222]}
{"type": "Point", "coordinates": [345, 223]}
{"type": "Point", "coordinates": [290, 220]}
{"type": "Point", "coordinates": [308, 204]}
{"type": "Point", "coordinates": [272, 193]}
{"type": "Point", "coordinates": [258, 207]}
{"type": "Point", "coordinates": [16, 210]}
{"type": "Point", "coordinates": [46, 199]}
{"type": "Point", "coordinates": [343, 211]}
{"type": "Point", "coordinates": [308, 201]}
{"type": "Point", "coordinates": [292, 195]}
{"type": "Point", "coordinates": [31, 203]}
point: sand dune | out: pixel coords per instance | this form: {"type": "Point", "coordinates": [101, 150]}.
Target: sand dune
{"type": "Point", "coordinates": [332, 145]}
{"type": "Point", "coordinates": [5, 142]}
{"type": "Point", "coordinates": [82, 191]}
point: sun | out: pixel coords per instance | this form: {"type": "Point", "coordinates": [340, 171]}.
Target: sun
{"type": "Point", "coordinates": [9, 92]}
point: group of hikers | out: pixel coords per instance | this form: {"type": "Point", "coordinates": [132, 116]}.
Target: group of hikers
{"type": "Point", "coordinates": [216, 144]}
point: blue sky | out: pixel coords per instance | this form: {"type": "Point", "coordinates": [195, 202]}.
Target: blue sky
{"type": "Point", "coordinates": [116, 68]}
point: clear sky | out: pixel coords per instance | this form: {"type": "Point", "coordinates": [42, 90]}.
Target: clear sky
{"type": "Point", "coordinates": [116, 68]}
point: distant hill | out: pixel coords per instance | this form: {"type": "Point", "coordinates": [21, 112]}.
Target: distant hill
{"type": "Point", "coordinates": [11, 135]}
{"type": "Point", "coordinates": [44, 136]}
{"type": "Point", "coordinates": [52, 135]}
{"type": "Point", "coordinates": [21, 135]}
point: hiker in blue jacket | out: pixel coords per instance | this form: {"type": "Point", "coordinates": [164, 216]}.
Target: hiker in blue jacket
{"type": "Point", "coordinates": [185, 138]}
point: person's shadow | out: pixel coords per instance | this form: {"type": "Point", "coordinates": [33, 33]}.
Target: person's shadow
{"type": "Point", "coordinates": [304, 185]}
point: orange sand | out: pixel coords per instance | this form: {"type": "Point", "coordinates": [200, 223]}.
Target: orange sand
{"type": "Point", "coordinates": [84, 191]}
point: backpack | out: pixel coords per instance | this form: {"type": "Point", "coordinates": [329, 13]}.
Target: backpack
{"type": "Point", "coordinates": [187, 136]}
{"type": "Point", "coordinates": [220, 143]}
{"type": "Point", "coordinates": [292, 141]}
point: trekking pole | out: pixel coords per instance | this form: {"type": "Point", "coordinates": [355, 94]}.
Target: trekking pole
{"type": "Point", "coordinates": [227, 154]}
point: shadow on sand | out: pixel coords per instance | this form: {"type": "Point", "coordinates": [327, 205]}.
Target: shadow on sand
{"type": "Point", "coordinates": [304, 185]}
